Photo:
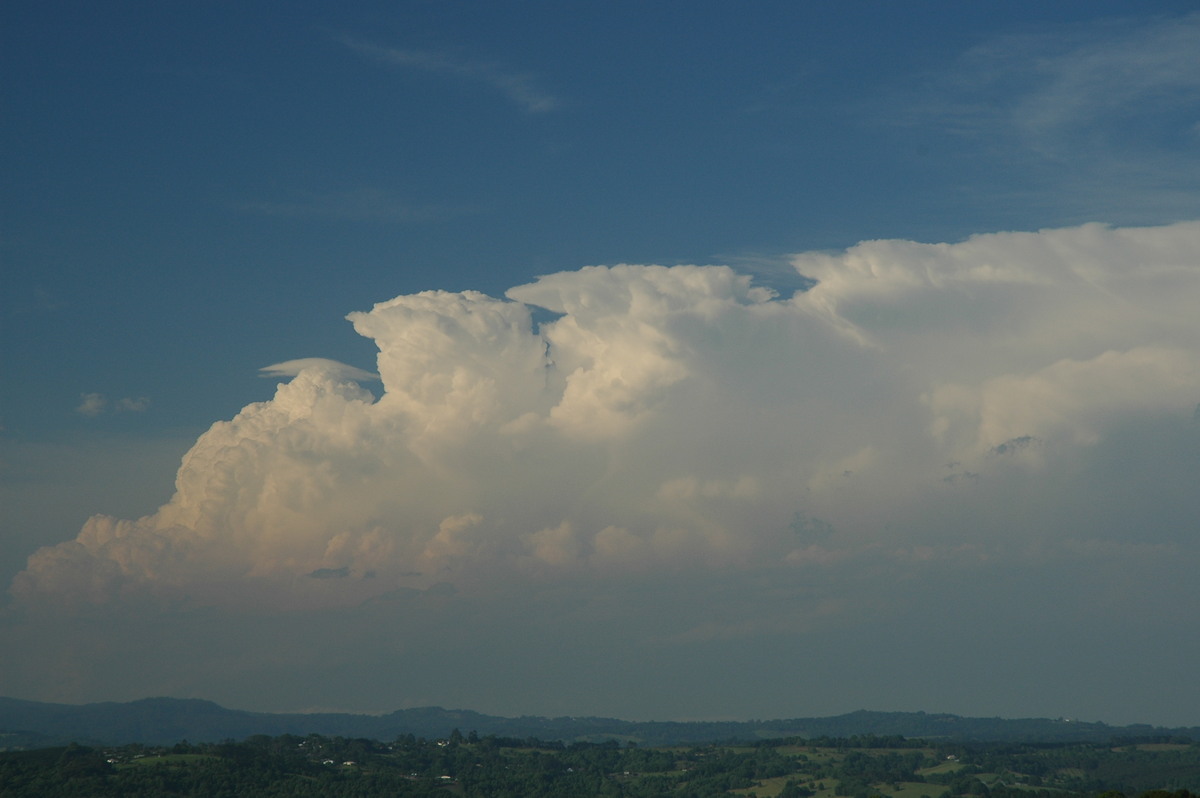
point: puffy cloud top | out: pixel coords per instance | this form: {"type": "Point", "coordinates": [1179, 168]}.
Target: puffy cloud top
{"type": "Point", "coordinates": [678, 419]}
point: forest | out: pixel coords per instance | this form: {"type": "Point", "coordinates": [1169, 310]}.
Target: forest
{"type": "Point", "coordinates": [469, 765]}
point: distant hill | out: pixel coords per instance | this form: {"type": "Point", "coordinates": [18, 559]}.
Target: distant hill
{"type": "Point", "coordinates": [165, 721]}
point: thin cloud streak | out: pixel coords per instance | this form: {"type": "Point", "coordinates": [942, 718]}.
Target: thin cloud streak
{"type": "Point", "coordinates": [518, 87]}
{"type": "Point", "coordinates": [336, 370]}
{"type": "Point", "coordinates": [359, 205]}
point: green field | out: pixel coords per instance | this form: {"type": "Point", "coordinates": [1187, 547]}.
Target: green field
{"type": "Point", "coordinates": [504, 768]}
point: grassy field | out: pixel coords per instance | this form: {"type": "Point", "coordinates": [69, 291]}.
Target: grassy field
{"type": "Point", "coordinates": [816, 756]}
{"type": "Point", "coordinates": [769, 788]}
{"type": "Point", "coordinates": [945, 767]}
{"type": "Point", "coordinates": [1155, 747]}
{"type": "Point", "coordinates": [166, 759]}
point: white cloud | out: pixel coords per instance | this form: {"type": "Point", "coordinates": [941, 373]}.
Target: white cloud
{"type": "Point", "coordinates": [132, 405]}
{"type": "Point", "coordinates": [95, 404]}
{"type": "Point", "coordinates": [91, 404]}
{"type": "Point", "coordinates": [334, 369]}
{"type": "Point", "coordinates": [924, 403]}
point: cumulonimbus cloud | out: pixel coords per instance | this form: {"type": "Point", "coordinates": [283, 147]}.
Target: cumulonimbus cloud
{"type": "Point", "coordinates": [679, 419]}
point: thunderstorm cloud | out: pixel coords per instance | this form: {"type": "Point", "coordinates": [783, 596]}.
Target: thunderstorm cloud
{"type": "Point", "coordinates": [919, 404]}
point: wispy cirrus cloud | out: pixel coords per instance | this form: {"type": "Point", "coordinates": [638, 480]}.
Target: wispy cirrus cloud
{"type": "Point", "coordinates": [1094, 120]}
{"type": "Point", "coordinates": [520, 87]}
{"type": "Point", "coordinates": [1096, 86]}
{"type": "Point", "coordinates": [1110, 75]}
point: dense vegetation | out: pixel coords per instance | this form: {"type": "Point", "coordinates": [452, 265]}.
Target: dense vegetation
{"type": "Point", "coordinates": [470, 766]}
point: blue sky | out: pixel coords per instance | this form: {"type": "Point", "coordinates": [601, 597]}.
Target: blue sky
{"type": "Point", "coordinates": [193, 193]}
{"type": "Point", "coordinates": [217, 174]}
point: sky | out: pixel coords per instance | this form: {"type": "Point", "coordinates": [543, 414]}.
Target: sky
{"type": "Point", "coordinates": [650, 360]}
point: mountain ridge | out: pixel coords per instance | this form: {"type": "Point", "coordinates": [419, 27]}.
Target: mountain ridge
{"type": "Point", "coordinates": [164, 721]}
